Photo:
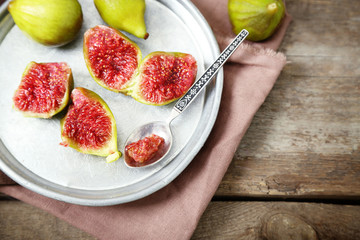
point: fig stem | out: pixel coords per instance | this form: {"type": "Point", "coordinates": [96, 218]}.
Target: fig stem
{"type": "Point", "coordinates": [113, 157]}
{"type": "Point", "coordinates": [272, 7]}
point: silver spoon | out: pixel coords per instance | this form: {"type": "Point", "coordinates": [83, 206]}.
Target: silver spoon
{"type": "Point", "coordinates": [162, 128]}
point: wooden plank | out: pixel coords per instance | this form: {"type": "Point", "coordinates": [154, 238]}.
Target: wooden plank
{"type": "Point", "coordinates": [305, 38]}
{"type": "Point", "coordinates": [304, 140]}
{"type": "Point", "coordinates": [19, 221]}
{"type": "Point", "coordinates": [221, 220]}
{"type": "Point", "coordinates": [299, 145]}
{"type": "Point", "coordinates": [278, 220]}
{"type": "Point", "coordinates": [323, 38]}
{"type": "Point", "coordinates": [329, 10]}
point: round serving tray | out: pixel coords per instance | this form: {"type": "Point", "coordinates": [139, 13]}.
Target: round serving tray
{"type": "Point", "coordinates": [29, 148]}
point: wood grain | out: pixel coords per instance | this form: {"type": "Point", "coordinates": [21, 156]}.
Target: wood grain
{"type": "Point", "coordinates": [247, 220]}
{"type": "Point", "coordinates": [304, 140]}
{"type": "Point", "coordinates": [19, 221]}
{"type": "Point", "coordinates": [221, 220]}
{"type": "Point", "coordinates": [303, 145]}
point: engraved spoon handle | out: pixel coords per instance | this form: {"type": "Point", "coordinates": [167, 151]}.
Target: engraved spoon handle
{"type": "Point", "coordinates": [196, 88]}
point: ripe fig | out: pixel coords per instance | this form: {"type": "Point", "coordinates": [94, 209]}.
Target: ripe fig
{"type": "Point", "coordinates": [259, 17]}
{"type": "Point", "coordinates": [49, 22]}
{"type": "Point", "coordinates": [124, 15]}
{"type": "Point", "coordinates": [115, 63]}
{"type": "Point", "coordinates": [163, 77]}
{"type": "Point", "coordinates": [111, 58]}
{"type": "Point", "coordinates": [89, 125]}
{"type": "Point", "coordinates": [44, 89]}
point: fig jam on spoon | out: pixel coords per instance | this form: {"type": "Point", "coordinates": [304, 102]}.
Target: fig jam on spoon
{"type": "Point", "coordinates": [141, 148]}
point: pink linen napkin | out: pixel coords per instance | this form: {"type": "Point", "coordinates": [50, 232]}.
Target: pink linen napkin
{"type": "Point", "coordinates": [174, 211]}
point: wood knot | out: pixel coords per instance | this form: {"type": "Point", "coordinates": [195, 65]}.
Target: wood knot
{"type": "Point", "coordinates": [283, 226]}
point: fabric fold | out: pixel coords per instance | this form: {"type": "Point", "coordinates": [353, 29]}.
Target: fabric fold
{"type": "Point", "coordinates": [174, 211]}
{"type": "Point", "coordinates": [5, 180]}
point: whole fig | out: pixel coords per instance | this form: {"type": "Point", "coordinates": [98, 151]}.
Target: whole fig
{"type": "Point", "coordinates": [49, 22]}
{"type": "Point", "coordinates": [124, 15]}
{"type": "Point", "coordinates": [260, 17]}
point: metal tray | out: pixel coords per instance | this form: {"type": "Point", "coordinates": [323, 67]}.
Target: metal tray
{"type": "Point", "coordinates": [29, 148]}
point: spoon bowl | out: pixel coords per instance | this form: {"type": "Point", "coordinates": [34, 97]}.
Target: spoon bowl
{"type": "Point", "coordinates": [162, 128]}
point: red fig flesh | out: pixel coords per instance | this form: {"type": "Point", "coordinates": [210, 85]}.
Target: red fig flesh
{"type": "Point", "coordinates": [111, 58]}
{"type": "Point", "coordinates": [144, 149]}
{"type": "Point", "coordinates": [44, 89]}
{"type": "Point", "coordinates": [89, 125]}
{"type": "Point", "coordinates": [164, 77]}
{"type": "Point", "coordinates": [114, 62]}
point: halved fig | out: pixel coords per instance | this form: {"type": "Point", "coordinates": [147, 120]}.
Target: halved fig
{"type": "Point", "coordinates": [44, 89]}
{"type": "Point", "coordinates": [114, 61]}
{"type": "Point", "coordinates": [89, 125]}
{"type": "Point", "coordinates": [111, 58]}
{"type": "Point", "coordinates": [163, 77]}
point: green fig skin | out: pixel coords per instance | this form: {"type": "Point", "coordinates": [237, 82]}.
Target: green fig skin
{"type": "Point", "coordinates": [259, 17]}
{"type": "Point", "coordinates": [124, 15]}
{"type": "Point", "coordinates": [48, 22]}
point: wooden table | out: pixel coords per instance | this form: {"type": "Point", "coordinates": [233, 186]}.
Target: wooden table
{"type": "Point", "coordinates": [297, 170]}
